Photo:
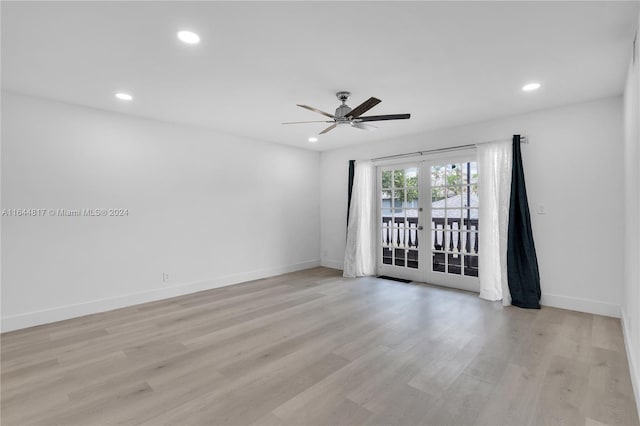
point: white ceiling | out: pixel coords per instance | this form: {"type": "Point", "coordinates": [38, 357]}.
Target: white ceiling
{"type": "Point", "coordinates": [446, 63]}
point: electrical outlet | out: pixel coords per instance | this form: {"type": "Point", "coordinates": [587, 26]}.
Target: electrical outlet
{"type": "Point", "coordinates": [165, 277]}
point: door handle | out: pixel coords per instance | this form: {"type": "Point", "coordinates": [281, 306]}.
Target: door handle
{"type": "Point", "coordinates": [420, 228]}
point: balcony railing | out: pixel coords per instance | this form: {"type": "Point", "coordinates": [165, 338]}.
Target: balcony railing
{"type": "Point", "coordinates": [453, 238]}
{"type": "Point", "coordinates": [400, 232]}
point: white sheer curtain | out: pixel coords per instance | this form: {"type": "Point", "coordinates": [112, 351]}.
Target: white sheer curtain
{"type": "Point", "coordinates": [494, 190]}
{"type": "Point", "coordinates": [360, 254]}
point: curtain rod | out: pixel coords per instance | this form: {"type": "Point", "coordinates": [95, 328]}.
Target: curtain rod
{"type": "Point", "coordinates": [523, 139]}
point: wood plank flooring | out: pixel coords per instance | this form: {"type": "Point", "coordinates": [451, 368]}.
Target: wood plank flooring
{"type": "Point", "coordinates": [313, 348]}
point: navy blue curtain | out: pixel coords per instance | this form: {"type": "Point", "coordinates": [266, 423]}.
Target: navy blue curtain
{"type": "Point", "coordinates": [522, 262]}
{"type": "Point", "coordinates": [352, 168]}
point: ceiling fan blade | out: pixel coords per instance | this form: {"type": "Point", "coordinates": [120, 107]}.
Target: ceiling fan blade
{"type": "Point", "coordinates": [326, 114]}
{"type": "Point", "coordinates": [363, 126]}
{"type": "Point", "coordinates": [363, 107]}
{"type": "Point", "coordinates": [384, 117]}
{"type": "Point", "coordinates": [333, 126]}
{"type": "Point", "coordinates": [300, 122]}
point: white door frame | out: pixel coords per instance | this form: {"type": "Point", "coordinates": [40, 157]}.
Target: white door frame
{"type": "Point", "coordinates": [424, 272]}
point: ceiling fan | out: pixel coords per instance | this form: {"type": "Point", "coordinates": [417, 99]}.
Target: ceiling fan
{"type": "Point", "coordinates": [345, 115]}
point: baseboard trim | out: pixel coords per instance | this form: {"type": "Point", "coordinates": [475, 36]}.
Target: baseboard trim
{"type": "Point", "coordinates": [31, 319]}
{"type": "Point", "coordinates": [548, 299]}
{"type": "Point", "coordinates": [633, 368]}
{"type": "Point", "coordinates": [581, 305]}
{"type": "Point", "coordinates": [332, 263]}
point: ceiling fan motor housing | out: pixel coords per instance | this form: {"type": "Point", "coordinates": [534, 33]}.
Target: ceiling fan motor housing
{"type": "Point", "coordinates": [343, 109]}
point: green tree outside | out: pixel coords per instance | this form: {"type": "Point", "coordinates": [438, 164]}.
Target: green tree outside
{"type": "Point", "coordinates": [446, 182]}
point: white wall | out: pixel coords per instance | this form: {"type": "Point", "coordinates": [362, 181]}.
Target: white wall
{"type": "Point", "coordinates": [631, 299]}
{"type": "Point", "coordinates": [208, 209]}
{"type": "Point", "coordinates": [573, 165]}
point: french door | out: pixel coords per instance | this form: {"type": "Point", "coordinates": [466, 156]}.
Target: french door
{"type": "Point", "coordinates": [399, 221]}
{"type": "Point", "coordinates": [428, 221]}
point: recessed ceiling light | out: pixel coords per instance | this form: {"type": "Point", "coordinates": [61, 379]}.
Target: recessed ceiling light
{"type": "Point", "coordinates": [313, 139]}
{"type": "Point", "coordinates": [124, 96]}
{"type": "Point", "coordinates": [189, 37]}
{"type": "Point", "coordinates": [531, 86]}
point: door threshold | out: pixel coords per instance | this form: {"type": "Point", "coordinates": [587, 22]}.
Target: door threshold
{"type": "Point", "coordinates": [386, 277]}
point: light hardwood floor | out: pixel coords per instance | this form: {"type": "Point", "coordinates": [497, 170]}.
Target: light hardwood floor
{"type": "Point", "coordinates": [313, 348]}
